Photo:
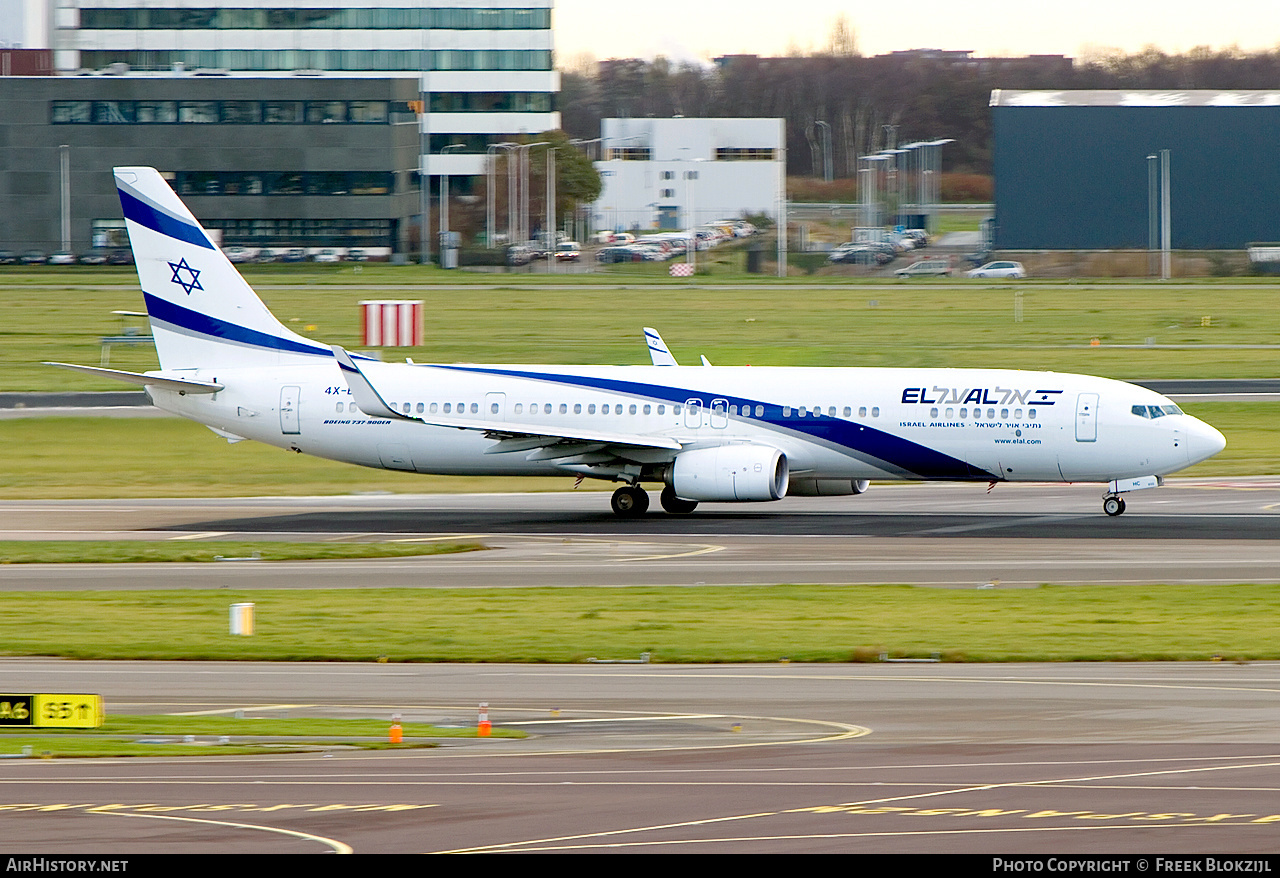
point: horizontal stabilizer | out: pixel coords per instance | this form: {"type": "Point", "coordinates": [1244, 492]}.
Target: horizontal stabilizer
{"type": "Point", "coordinates": [182, 385]}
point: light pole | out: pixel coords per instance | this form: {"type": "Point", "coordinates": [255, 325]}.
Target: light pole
{"type": "Point", "coordinates": [827, 170]}
{"type": "Point", "coordinates": [550, 229]}
{"type": "Point", "coordinates": [444, 204]}
{"type": "Point", "coordinates": [1166, 233]}
{"type": "Point", "coordinates": [782, 202]}
{"type": "Point", "coordinates": [522, 152]}
{"type": "Point", "coordinates": [491, 169]}
{"type": "Point", "coordinates": [1152, 200]}
{"type": "Point", "coordinates": [870, 193]}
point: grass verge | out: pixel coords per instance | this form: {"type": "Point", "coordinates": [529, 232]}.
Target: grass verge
{"type": "Point", "coordinates": [123, 735]}
{"type": "Point", "coordinates": [677, 625]}
{"type": "Point", "coordinates": [818, 321]}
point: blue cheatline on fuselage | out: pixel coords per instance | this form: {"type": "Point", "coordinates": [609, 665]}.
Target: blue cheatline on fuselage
{"type": "Point", "coordinates": [846, 436]}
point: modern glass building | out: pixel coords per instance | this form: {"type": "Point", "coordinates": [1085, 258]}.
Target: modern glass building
{"type": "Point", "coordinates": [263, 160]}
{"type": "Point", "coordinates": [305, 124]}
{"type": "Point", "coordinates": [485, 65]}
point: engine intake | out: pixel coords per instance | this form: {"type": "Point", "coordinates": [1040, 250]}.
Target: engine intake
{"type": "Point", "coordinates": [729, 473]}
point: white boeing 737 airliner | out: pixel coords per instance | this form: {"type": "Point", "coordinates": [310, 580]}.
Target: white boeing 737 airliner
{"type": "Point", "coordinates": [705, 433]}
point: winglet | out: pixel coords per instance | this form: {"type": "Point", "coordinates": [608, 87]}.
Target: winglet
{"type": "Point", "coordinates": [658, 351]}
{"type": "Point", "coordinates": [368, 400]}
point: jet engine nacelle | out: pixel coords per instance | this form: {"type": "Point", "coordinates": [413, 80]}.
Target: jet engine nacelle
{"type": "Point", "coordinates": [729, 473]}
{"type": "Point", "coordinates": [826, 487]}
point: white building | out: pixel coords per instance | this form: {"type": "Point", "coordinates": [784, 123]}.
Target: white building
{"type": "Point", "coordinates": [678, 173]}
{"type": "Point", "coordinates": [486, 65]}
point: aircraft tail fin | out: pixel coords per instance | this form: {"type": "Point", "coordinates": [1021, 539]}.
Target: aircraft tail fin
{"type": "Point", "coordinates": [658, 351]}
{"type": "Point", "coordinates": [202, 312]}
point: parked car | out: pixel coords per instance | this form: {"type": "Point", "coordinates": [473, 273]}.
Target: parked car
{"type": "Point", "coordinates": [926, 268]}
{"type": "Point", "coordinates": [357, 254]}
{"type": "Point", "coordinates": [32, 257]}
{"type": "Point", "coordinates": [518, 254]}
{"type": "Point", "coordinates": [61, 257]}
{"type": "Point", "coordinates": [619, 254]}
{"type": "Point", "coordinates": [998, 269]}
{"type": "Point", "coordinates": [294, 254]}
{"type": "Point", "coordinates": [120, 257]}
{"type": "Point", "coordinates": [241, 254]}
{"type": "Point", "coordinates": [568, 251]}
{"type": "Point", "coordinates": [96, 256]}
{"type": "Point", "coordinates": [328, 254]}
{"type": "Point", "coordinates": [8, 257]}
{"type": "Point", "coordinates": [862, 254]}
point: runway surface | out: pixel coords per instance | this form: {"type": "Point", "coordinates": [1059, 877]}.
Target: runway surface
{"type": "Point", "coordinates": [940, 758]}
{"type": "Point", "coordinates": [1167, 759]}
{"type": "Point", "coordinates": [1208, 531]}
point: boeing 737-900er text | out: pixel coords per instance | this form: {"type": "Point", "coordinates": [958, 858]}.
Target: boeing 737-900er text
{"type": "Point", "coordinates": [704, 433]}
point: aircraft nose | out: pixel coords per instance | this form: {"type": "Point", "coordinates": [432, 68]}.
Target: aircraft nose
{"type": "Point", "coordinates": [1203, 441]}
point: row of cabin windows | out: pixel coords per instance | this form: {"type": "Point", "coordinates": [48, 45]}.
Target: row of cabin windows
{"type": "Point", "coordinates": [978, 416]}
{"type": "Point", "coordinates": [563, 408]}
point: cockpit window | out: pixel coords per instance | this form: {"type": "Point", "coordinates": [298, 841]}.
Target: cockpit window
{"type": "Point", "coordinates": [1155, 411]}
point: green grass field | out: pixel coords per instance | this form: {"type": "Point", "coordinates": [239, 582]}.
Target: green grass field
{"type": "Point", "coordinates": [808, 321]}
{"type": "Point", "coordinates": [141, 735]}
{"type": "Point", "coordinates": [701, 624]}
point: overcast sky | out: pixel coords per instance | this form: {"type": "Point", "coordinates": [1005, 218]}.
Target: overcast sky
{"type": "Point", "coordinates": [703, 30]}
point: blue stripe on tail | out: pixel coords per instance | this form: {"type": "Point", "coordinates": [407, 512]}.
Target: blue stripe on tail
{"type": "Point", "coordinates": [145, 215]}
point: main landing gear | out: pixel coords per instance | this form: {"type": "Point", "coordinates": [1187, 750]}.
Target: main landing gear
{"type": "Point", "coordinates": [632, 501]}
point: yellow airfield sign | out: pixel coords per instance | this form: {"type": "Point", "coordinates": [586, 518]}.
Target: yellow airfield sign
{"type": "Point", "coordinates": [51, 711]}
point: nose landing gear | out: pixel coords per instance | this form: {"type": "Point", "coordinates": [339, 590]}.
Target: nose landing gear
{"type": "Point", "coordinates": [1113, 506]}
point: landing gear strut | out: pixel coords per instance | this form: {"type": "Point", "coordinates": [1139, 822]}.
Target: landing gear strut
{"type": "Point", "coordinates": [1113, 506]}
{"type": "Point", "coordinates": [630, 501]}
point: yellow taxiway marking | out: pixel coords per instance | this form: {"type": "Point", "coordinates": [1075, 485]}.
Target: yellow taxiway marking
{"type": "Point", "coordinates": [812, 836]}
{"type": "Point", "coordinates": [559, 842]}
{"type": "Point", "coordinates": [704, 550]}
{"type": "Point", "coordinates": [226, 710]}
{"type": "Point", "coordinates": [337, 846]}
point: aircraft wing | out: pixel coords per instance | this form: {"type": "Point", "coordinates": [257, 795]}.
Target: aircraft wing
{"type": "Point", "coordinates": [545, 441]}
